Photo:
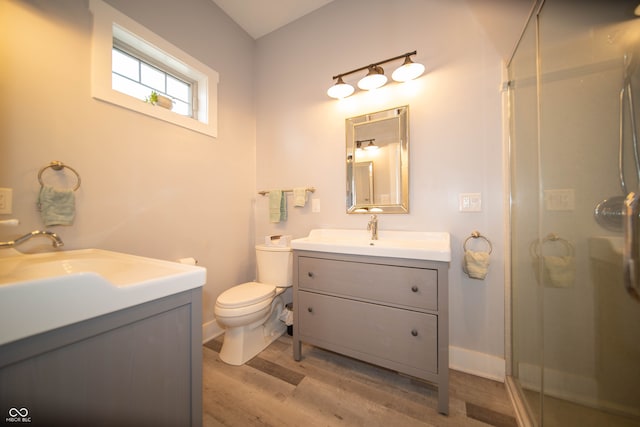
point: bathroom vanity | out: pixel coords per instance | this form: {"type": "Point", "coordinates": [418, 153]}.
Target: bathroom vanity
{"type": "Point", "coordinates": [388, 311]}
{"type": "Point", "coordinates": [93, 337]}
{"type": "Point", "coordinates": [138, 366]}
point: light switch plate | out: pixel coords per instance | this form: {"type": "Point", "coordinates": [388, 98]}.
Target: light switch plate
{"type": "Point", "coordinates": [315, 205]}
{"type": "Point", "coordinates": [470, 202]}
{"type": "Point", "coordinates": [6, 200]}
{"type": "Point", "coordinates": [560, 200]}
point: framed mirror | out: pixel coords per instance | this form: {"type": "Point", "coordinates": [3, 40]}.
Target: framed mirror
{"type": "Point", "coordinates": [378, 162]}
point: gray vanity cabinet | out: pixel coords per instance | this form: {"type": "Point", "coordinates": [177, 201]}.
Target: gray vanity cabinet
{"type": "Point", "coordinates": [387, 311]}
{"type": "Point", "coordinates": [140, 366]}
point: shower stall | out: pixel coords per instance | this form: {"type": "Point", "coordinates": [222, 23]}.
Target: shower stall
{"type": "Point", "coordinates": [573, 87]}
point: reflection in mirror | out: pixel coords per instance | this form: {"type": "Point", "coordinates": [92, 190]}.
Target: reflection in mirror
{"type": "Point", "coordinates": [363, 181]}
{"type": "Point", "coordinates": [378, 162]}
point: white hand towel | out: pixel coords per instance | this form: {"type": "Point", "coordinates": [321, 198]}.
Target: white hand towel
{"type": "Point", "coordinates": [299, 196]}
{"type": "Point", "coordinates": [476, 264]}
{"type": "Point", "coordinates": [560, 271]}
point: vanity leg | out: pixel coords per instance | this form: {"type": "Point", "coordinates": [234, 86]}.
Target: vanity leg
{"type": "Point", "coordinates": [297, 350]}
{"type": "Point", "coordinates": [443, 397]}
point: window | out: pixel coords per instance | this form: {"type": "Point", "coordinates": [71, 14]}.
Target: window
{"type": "Point", "coordinates": [139, 78]}
{"type": "Point", "coordinates": [129, 62]}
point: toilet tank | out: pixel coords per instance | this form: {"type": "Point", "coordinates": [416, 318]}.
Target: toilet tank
{"type": "Point", "coordinates": [275, 265]}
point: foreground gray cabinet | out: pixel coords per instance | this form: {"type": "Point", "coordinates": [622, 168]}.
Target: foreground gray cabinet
{"type": "Point", "coordinates": [387, 311]}
{"type": "Point", "coordinates": [140, 366]}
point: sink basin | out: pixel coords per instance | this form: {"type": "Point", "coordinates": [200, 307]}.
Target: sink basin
{"type": "Point", "coordinates": [433, 246]}
{"type": "Point", "coordinates": [41, 292]}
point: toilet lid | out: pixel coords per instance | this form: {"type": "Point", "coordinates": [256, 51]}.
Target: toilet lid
{"type": "Point", "coordinates": [246, 294]}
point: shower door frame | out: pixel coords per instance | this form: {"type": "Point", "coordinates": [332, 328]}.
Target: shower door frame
{"type": "Point", "coordinates": [523, 411]}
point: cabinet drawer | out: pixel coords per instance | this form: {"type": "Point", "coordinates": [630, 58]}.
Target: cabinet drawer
{"type": "Point", "coordinates": [389, 284]}
{"type": "Point", "coordinates": [404, 337]}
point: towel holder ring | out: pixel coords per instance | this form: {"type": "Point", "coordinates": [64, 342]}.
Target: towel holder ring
{"type": "Point", "coordinates": [552, 237]}
{"type": "Point", "coordinates": [57, 165]}
{"type": "Point", "coordinates": [476, 235]}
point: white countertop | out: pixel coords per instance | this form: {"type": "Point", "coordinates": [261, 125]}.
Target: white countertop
{"type": "Point", "coordinates": [41, 292]}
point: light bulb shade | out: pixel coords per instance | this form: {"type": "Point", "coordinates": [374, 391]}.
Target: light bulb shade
{"type": "Point", "coordinates": [408, 71]}
{"type": "Point", "coordinates": [371, 146]}
{"type": "Point", "coordinates": [340, 89]}
{"type": "Point", "coordinates": [374, 79]}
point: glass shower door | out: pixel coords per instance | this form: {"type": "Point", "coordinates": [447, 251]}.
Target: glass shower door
{"type": "Point", "coordinates": [576, 332]}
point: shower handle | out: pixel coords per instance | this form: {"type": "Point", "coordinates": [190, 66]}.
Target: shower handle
{"type": "Point", "coordinates": [631, 250]}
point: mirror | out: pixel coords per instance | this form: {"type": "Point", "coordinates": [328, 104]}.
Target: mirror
{"type": "Point", "coordinates": [378, 162]}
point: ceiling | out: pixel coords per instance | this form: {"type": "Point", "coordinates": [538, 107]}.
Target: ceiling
{"type": "Point", "coordinates": [260, 17]}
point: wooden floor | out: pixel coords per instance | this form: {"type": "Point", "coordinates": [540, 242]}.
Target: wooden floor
{"type": "Point", "coordinates": [326, 389]}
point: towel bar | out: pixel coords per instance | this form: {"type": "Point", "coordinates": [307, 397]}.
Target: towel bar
{"type": "Point", "coordinates": [265, 192]}
{"type": "Point", "coordinates": [58, 166]}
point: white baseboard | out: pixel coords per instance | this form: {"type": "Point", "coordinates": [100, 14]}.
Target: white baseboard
{"type": "Point", "coordinates": [211, 330]}
{"type": "Point", "coordinates": [572, 387]}
{"type": "Point", "coordinates": [476, 363]}
{"type": "Point", "coordinates": [563, 385]}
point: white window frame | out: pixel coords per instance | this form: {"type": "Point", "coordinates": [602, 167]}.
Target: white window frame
{"type": "Point", "coordinates": [109, 23]}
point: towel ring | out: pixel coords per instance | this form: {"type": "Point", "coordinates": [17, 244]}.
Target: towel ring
{"type": "Point", "coordinates": [58, 166]}
{"type": "Point", "coordinates": [552, 237]}
{"type": "Point", "coordinates": [477, 235]}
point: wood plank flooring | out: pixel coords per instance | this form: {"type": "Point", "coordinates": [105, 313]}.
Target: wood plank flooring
{"type": "Point", "coordinates": [326, 389]}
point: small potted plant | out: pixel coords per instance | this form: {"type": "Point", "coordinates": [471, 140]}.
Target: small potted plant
{"type": "Point", "coordinates": [160, 100]}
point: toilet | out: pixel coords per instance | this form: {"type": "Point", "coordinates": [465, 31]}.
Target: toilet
{"type": "Point", "coordinates": [250, 312]}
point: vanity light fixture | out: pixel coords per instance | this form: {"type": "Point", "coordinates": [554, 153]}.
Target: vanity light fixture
{"type": "Point", "coordinates": [375, 77]}
{"type": "Point", "coordinates": [408, 71]}
{"type": "Point", "coordinates": [369, 147]}
{"type": "Point", "coordinates": [340, 89]}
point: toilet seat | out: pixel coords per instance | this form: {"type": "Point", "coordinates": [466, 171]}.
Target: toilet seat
{"type": "Point", "coordinates": [246, 294]}
{"type": "Point", "coordinates": [248, 311]}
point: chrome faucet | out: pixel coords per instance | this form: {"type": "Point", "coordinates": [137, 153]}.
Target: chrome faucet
{"type": "Point", "coordinates": [372, 226]}
{"type": "Point", "coordinates": [57, 242]}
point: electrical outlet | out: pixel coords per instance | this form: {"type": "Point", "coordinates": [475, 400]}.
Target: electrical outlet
{"type": "Point", "coordinates": [6, 200]}
{"type": "Point", "coordinates": [315, 205]}
{"type": "Point", "coordinates": [470, 202]}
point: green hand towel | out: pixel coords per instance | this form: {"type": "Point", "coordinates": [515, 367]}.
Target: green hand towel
{"type": "Point", "coordinates": [283, 207]}
{"type": "Point", "coordinates": [277, 206]}
{"type": "Point", "coordinates": [57, 207]}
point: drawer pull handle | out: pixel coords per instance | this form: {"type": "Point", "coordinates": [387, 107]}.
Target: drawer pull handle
{"type": "Point", "coordinates": [310, 274]}
{"type": "Point", "coordinates": [310, 309]}
{"type": "Point", "coordinates": [414, 332]}
{"type": "Point", "coordinates": [414, 288]}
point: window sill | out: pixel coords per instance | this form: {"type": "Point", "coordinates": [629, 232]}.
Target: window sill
{"type": "Point", "coordinates": [125, 101]}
